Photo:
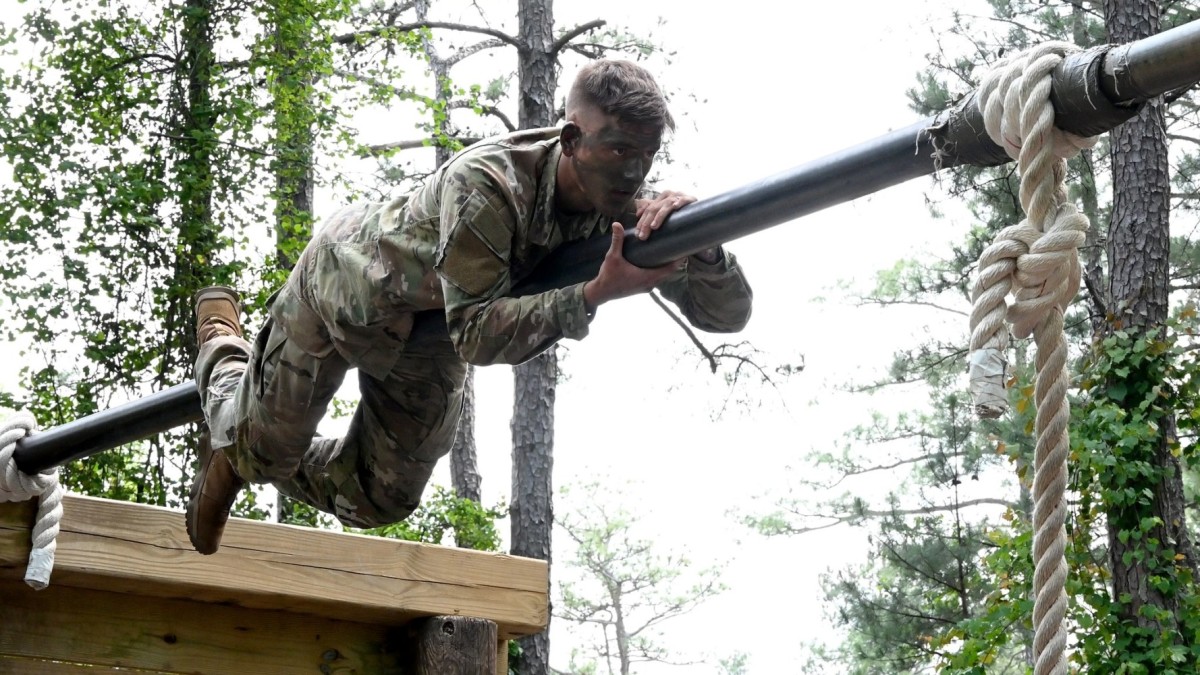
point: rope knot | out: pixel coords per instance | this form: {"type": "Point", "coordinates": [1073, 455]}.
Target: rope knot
{"type": "Point", "coordinates": [18, 486]}
{"type": "Point", "coordinates": [1047, 277]}
{"type": "Point", "coordinates": [1005, 95]}
{"type": "Point", "coordinates": [1036, 261]}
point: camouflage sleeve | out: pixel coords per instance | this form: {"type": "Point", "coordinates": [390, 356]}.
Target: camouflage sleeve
{"type": "Point", "coordinates": [714, 298]}
{"type": "Point", "coordinates": [478, 224]}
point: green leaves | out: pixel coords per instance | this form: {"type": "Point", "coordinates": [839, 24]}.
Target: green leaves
{"type": "Point", "coordinates": [444, 518]}
{"type": "Point", "coordinates": [136, 159]}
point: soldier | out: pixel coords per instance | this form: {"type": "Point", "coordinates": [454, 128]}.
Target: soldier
{"type": "Point", "coordinates": [411, 290]}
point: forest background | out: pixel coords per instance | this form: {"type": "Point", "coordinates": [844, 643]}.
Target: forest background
{"type": "Point", "coordinates": [895, 522]}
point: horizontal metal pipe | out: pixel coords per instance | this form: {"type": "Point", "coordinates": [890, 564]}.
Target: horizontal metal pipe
{"type": "Point", "coordinates": [109, 429]}
{"type": "Point", "coordinates": [881, 162]}
{"type": "Point", "coordinates": [1093, 92]}
{"type": "Point", "coordinates": [1162, 63]}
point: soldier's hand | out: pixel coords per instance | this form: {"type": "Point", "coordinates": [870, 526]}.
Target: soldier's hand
{"type": "Point", "coordinates": [652, 213]}
{"type": "Point", "coordinates": [619, 278]}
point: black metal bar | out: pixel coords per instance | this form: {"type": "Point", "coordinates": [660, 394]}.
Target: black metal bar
{"type": "Point", "coordinates": [1094, 91]}
{"type": "Point", "coordinates": [109, 429]}
{"type": "Point", "coordinates": [882, 162]}
{"type": "Point", "coordinates": [1156, 65]}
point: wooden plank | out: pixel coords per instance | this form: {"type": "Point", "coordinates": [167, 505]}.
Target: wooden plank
{"type": "Point", "coordinates": [13, 665]}
{"type": "Point", "coordinates": [141, 549]}
{"type": "Point", "coordinates": [84, 626]}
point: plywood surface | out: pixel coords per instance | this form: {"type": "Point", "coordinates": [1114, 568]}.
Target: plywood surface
{"type": "Point", "coordinates": [63, 628]}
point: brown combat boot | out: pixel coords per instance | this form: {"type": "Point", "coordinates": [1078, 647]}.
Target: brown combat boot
{"type": "Point", "coordinates": [217, 484]}
{"type": "Point", "coordinates": [217, 312]}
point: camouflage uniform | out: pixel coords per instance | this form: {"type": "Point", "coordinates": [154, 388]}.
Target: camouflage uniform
{"type": "Point", "coordinates": [408, 291]}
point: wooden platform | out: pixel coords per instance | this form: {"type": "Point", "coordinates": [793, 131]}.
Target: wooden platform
{"type": "Point", "coordinates": [128, 591]}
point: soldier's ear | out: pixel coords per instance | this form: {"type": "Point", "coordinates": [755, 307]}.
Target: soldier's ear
{"type": "Point", "coordinates": [569, 138]}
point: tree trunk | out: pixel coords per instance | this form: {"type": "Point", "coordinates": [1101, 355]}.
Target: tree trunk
{"type": "Point", "coordinates": [1138, 246]}
{"type": "Point", "coordinates": [464, 462]}
{"type": "Point", "coordinates": [532, 484]}
{"type": "Point", "coordinates": [536, 67]}
{"type": "Point", "coordinates": [198, 236]}
{"type": "Point", "coordinates": [292, 101]}
{"type": "Point", "coordinates": [292, 97]}
{"type": "Point", "coordinates": [534, 381]}
{"type": "Point", "coordinates": [622, 632]}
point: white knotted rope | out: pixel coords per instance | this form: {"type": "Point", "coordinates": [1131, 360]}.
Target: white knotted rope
{"type": "Point", "coordinates": [1037, 261]}
{"type": "Point", "coordinates": [16, 486]}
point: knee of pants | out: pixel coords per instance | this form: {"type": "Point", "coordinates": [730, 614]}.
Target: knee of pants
{"type": "Point", "coordinates": [389, 494]}
{"type": "Point", "coordinates": [369, 519]}
{"type": "Point", "coordinates": [284, 397]}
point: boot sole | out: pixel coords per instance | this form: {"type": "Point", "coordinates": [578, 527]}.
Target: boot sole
{"type": "Point", "coordinates": [217, 292]}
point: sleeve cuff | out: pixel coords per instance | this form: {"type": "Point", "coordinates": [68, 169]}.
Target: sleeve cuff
{"type": "Point", "coordinates": [700, 269]}
{"type": "Point", "coordinates": [573, 318]}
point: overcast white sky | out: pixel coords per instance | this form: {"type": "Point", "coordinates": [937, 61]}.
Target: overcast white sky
{"type": "Point", "coordinates": [780, 84]}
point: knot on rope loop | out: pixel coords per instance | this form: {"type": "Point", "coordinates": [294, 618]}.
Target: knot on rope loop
{"type": "Point", "coordinates": [1035, 261]}
{"type": "Point", "coordinates": [18, 486]}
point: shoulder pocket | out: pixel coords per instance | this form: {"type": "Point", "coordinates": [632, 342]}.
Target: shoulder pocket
{"type": "Point", "coordinates": [474, 249]}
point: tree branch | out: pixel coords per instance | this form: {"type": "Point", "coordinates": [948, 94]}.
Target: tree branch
{"type": "Point", "coordinates": [916, 303]}
{"type": "Point", "coordinates": [557, 45]}
{"type": "Point", "coordinates": [472, 49]}
{"type": "Point", "coordinates": [875, 513]}
{"type": "Point", "coordinates": [916, 569]}
{"type": "Point", "coordinates": [1096, 295]}
{"type": "Point", "coordinates": [1181, 137]}
{"type": "Point", "coordinates": [895, 465]}
{"type": "Point", "coordinates": [687, 330]}
{"type": "Point", "coordinates": [414, 144]}
{"type": "Point", "coordinates": [353, 38]}
{"type": "Point", "coordinates": [487, 110]}
{"type": "Point", "coordinates": [399, 92]}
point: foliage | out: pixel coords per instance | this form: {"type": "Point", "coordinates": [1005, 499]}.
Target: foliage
{"type": "Point", "coordinates": [1138, 386]}
{"type": "Point", "coordinates": [925, 483]}
{"type": "Point", "coordinates": [445, 518]}
{"type": "Point", "coordinates": [113, 128]}
{"type": "Point", "coordinates": [146, 147]}
{"type": "Point", "coordinates": [1114, 469]}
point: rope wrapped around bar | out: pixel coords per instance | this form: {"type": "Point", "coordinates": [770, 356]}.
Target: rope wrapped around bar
{"type": "Point", "coordinates": [17, 486]}
{"type": "Point", "coordinates": [1037, 261]}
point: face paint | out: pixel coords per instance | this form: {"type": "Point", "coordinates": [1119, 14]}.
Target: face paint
{"type": "Point", "coordinates": [612, 158]}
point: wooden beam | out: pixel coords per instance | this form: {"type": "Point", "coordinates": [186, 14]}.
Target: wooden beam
{"type": "Point", "coordinates": [141, 550]}
{"type": "Point", "coordinates": [75, 630]}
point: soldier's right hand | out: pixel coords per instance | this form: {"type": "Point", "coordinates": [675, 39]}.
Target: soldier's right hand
{"type": "Point", "coordinates": [619, 278]}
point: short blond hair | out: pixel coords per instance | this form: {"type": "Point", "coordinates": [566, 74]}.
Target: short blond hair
{"type": "Point", "coordinates": [623, 89]}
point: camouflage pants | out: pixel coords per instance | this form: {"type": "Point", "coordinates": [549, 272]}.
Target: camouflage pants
{"type": "Point", "coordinates": [263, 403]}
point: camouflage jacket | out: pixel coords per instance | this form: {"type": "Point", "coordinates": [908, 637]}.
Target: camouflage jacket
{"type": "Point", "coordinates": [476, 228]}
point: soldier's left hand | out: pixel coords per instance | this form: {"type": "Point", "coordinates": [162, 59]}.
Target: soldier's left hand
{"type": "Point", "coordinates": [652, 213]}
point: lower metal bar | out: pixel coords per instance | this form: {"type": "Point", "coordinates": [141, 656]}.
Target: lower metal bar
{"type": "Point", "coordinates": [109, 429]}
